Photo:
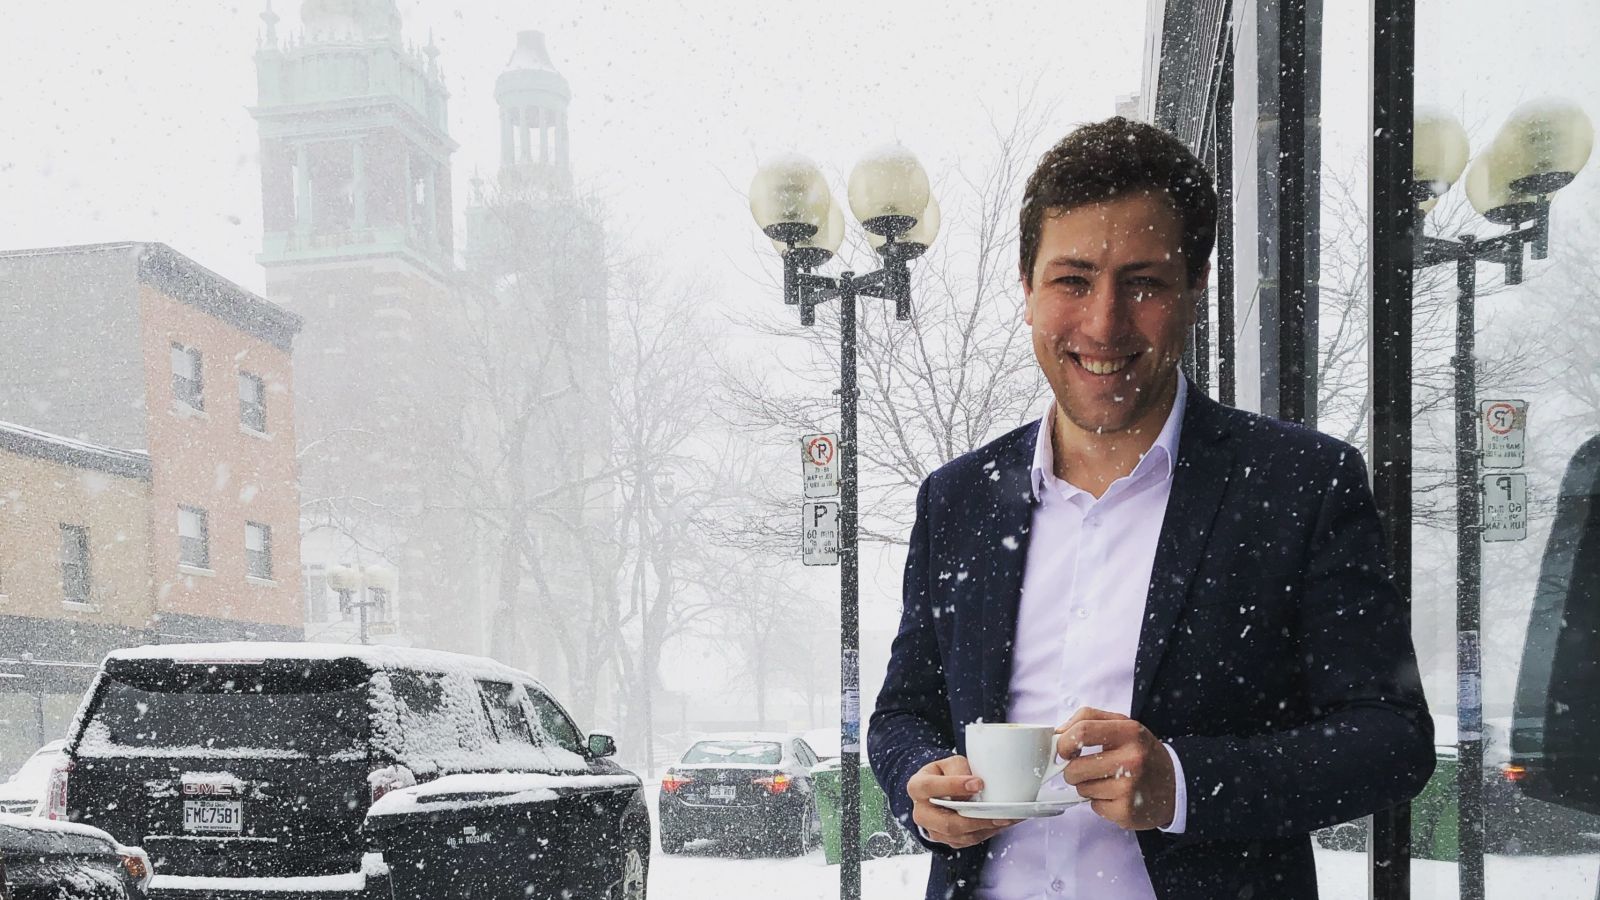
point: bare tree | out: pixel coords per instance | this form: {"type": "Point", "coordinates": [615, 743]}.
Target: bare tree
{"type": "Point", "coordinates": [532, 466]}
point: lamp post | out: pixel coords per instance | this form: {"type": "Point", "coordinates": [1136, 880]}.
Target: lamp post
{"type": "Point", "coordinates": [890, 197]}
{"type": "Point", "coordinates": [1538, 151]}
{"type": "Point", "coordinates": [360, 589]}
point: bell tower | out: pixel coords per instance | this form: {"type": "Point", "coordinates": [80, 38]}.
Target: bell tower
{"type": "Point", "coordinates": [355, 153]}
{"type": "Point", "coordinates": [357, 240]}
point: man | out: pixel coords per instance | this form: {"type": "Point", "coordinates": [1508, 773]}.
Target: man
{"type": "Point", "coordinates": [1197, 595]}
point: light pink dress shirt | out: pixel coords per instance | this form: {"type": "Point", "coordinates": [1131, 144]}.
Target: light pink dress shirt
{"type": "Point", "coordinates": [1083, 595]}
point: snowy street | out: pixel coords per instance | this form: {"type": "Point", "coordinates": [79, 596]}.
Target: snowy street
{"type": "Point", "coordinates": [701, 873]}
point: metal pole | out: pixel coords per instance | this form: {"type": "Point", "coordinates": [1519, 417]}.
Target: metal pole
{"type": "Point", "coordinates": [1225, 250]}
{"type": "Point", "coordinates": [1292, 207]}
{"type": "Point", "coordinates": [1469, 575]}
{"type": "Point", "coordinates": [1394, 232]}
{"type": "Point", "coordinates": [849, 618]}
{"type": "Point", "coordinates": [361, 616]}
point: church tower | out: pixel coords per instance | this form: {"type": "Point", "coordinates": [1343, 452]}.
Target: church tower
{"type": "Point", "coordinates": [357, 240]}
{"type": "Point", "coordinates": [355, 152]}
{"type": "Point", "coordinates": [533, 100]}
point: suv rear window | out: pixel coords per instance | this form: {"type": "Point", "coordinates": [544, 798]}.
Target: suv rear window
{"type": "Point", "coordinates": [735, 752]}
{"type": "Point", "coordinates": [202, 708]}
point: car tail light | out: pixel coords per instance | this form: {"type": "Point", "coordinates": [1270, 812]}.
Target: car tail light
{"type": "Point", "coordinates": [777, 784]}
{"type": "Point", "coordinates": [55, 798]}
{"type": "Point", "coordinates": [389, 778]}
{"type": "Point", "coordinates": [672, 781]}
{"type": "Point", "coordinates": [1514, 773]}
{"type": "Point", "coordinates": [137, 865]}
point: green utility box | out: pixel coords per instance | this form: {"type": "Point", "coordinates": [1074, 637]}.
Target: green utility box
{"type": "Point", "coordinates": [1435, 819]}
{"type": "Point", "coordinates": [881, 835]}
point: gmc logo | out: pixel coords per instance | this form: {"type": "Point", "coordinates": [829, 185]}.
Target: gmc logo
{"type": "Point", "coordinates": [207, 789]}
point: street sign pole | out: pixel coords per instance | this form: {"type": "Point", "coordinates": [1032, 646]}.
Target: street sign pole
{"type": "Point", "coordinates": [1469, 585]}
{"type": "Point", "coordinates": [849, 608]}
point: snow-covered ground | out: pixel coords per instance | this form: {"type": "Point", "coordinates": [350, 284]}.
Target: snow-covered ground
{"type": "Point", "coordinates": [700, 874]}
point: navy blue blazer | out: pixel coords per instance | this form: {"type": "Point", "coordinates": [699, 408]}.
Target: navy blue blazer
{"type": "Point", "coordinates": [1275, 656]}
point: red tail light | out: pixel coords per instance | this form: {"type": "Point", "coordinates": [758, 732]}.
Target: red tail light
{"type": "Point", "coordinates": [673, 781]}
{"type": "Point", "coordinates": [55, 798]}
{"type": "Point", "coordinates": [1514, 773]}
{"type": "Point", "coordinates": [777, 784]}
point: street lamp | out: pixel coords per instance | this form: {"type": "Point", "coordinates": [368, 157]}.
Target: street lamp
{"type": "Point", "coordinates": [360, 589]}
{"type": "Point", "coordinates": [889, 195]}
{"type": "Point", "coordinates": [1539, 150]}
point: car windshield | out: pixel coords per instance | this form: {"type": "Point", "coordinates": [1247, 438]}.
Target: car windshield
{"type": "Point", "coordinates": [762, 752]}
{"type": "Point", "coordinates": [221, 710]}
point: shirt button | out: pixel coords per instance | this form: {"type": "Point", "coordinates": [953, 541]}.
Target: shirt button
{"type": "Point", "coordinates": [1083, 613]}
{"type": "Point", "coordinates": [1058, 886]}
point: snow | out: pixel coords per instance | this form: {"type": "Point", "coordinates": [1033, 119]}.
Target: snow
{"type": "Point", "coordinates": [32, 823]}
{"type": "Point", "coordinates": [378, 656]}
{"type": "Point", "coordinates": [352, 881]}
{"type": "Point", "coordinates": [501, 788]}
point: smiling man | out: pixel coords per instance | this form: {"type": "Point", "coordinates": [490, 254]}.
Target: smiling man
{"type": "Point", "coordinates": [1197, 596]}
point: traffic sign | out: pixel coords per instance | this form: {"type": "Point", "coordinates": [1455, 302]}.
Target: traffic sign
{"type": "Point", "coordinates": [819, 464]}
{"type": "Point", "coordinates": [1505, 507]}
{"type": "Point", "coordinates": [819, 533]}
{"type": "Point", "coordinates": [1503, 432]}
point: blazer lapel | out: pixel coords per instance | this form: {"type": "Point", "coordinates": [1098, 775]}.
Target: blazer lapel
{"type": "Point", "coordinates": [1200, 477]}
{"type": "Point", "coordinates": [1006, 539]}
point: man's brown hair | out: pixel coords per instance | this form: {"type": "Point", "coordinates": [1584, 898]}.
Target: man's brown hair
{"type": "Point", "coordinates": [1104, 160]}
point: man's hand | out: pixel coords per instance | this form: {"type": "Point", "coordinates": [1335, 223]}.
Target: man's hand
{"type": "Point", "coordinates": [1130, 781]}
{"type": "Point", "coordinates": [952, 779]}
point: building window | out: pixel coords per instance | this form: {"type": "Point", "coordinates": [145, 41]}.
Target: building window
{"type": "Point", "coordinates": [194, 547]}
{"type": "Point", "coordinates": [186, 378]}
{"type": "Point", "coordinates": [258, 550]}
{"type": "Point", "coordinates": [252, 402]}
{"type": "Point", "coordinates": [75, 582]}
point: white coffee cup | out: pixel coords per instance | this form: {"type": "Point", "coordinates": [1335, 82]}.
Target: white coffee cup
{"type": "Point", "coordinates": [1014, 760]}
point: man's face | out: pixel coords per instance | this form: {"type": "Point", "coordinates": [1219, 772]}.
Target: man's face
{"type": "Point", "coordinates": [1110, 306]}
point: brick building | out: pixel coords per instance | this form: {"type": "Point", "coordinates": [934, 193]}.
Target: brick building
{"type": "Point", "coordinates": [147, 465]}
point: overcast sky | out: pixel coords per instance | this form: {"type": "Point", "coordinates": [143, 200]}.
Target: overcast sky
{"type": "Point", "coordinates": [134, 121]}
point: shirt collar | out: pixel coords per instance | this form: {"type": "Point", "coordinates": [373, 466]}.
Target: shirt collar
{"type": "Point", "coordinates": [1165, 448]}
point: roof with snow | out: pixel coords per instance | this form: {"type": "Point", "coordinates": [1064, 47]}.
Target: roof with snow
{"type": "Point", "coordinates": [531, 71]}
{"type": "Point", "coordinates": [185, 280]}
{"type": "Point", "coordinates": [71, 452]}
{"type": "Point", "coordinates": [374, 655]}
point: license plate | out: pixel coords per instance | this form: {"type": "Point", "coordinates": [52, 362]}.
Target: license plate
{"type": "Point", "coordinates": [213, 815]}
{"type": "Point", "coordinates": [722, 792]}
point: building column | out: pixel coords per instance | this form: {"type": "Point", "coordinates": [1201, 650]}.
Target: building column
{"type": "Point", "coordinates": [430, 201]}
{"type": "Point", "coordinates": [508, 139]}
{"type": "Point", "coordinates": [358, 190]}
{"type": "Point", "coordinates": [410, 198]}
{"type": "Point", "coordinates": [561, 139]}
{"type": "Point", "coordinates": [302, 189]}
{"type": "Point", "coordinates": [544, 136]}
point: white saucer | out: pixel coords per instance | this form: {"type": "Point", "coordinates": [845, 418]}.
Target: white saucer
{"type": "Point", "coordinates": [981, 809]}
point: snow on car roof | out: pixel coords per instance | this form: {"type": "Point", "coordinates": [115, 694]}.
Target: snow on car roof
{"type": "Point", "coordinates": [747, 737]}
{"type": "Point", "coordinates": [375, 655]}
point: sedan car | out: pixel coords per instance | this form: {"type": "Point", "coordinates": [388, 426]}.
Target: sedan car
{"type": "Point", "coordinates": [44, 860]}
{"type": "Point", "coordinates": [744, 789]}
{"type": "Point", "coordinates": [24, 791]}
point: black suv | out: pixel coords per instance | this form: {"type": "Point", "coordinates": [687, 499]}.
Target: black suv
{"type": "Point", "coordinates": [253, 760]}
